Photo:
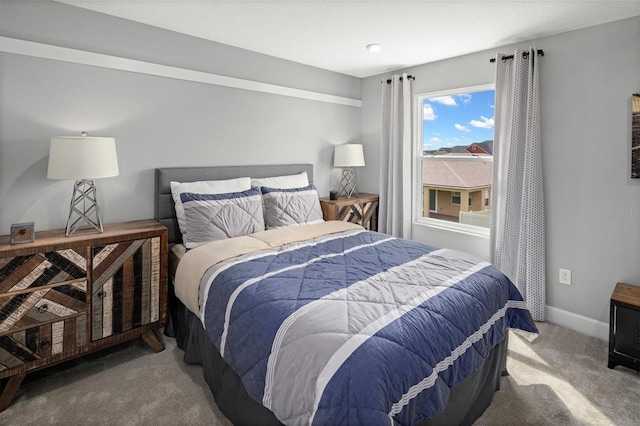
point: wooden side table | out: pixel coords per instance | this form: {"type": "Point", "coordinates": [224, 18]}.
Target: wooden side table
{"type": "Point", "coordinates": [624, 327]}
{"type": "Point", "coordinates": [362, 209]}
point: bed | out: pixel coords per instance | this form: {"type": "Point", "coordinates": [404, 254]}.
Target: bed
{"type": "Point", "coordinates": [326, 323]}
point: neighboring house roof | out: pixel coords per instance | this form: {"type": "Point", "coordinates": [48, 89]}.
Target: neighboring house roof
{"type": "Point", "coordinates": [484, 147]}
{"type": "Point", "coordinates": [451, 149]}
{"type": "Point", "coordinates": [457, 174]}
{"type": "Point", "coordinates": [442, 150]}
{"type": "Point", "coordinates": [458, 148]}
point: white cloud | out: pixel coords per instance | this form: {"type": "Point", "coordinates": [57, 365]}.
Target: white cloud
{"type": "Point", "coordinates": [484, 123]}
{"type": "Point", "coordinates": [445, 100]}
{"type": "Point", "coordinates": [466, 98]}
{"type": "Point", "coordinates": [429, 113]}
{"type": "Point", "coordinates": [462, 128]}
{"type": "Point", "coordinates": [435, 141]}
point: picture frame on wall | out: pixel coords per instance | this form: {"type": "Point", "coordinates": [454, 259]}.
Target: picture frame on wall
{"type": "Point", "coordinates": [635, 135]}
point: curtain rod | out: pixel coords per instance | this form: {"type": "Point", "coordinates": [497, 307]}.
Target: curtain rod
{"type": "Point", "coordinates": [410, 77]}
{"type": "Point", "coordinates": [524, 55]}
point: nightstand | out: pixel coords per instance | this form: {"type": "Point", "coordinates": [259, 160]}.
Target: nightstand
{"type": "Point", "coordinates": [624, 327]}
{"type": "Point", "coordinates": [361, 209]}
{"type": "Point", "coordinates": [63, 297]}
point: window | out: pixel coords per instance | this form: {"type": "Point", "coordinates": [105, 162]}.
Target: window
{"type": "Point", "coordinates": [433, 200]}
{"type": "Point", "coordinates": [455, 198]}
{"type": "Point", "coordinates": [454, 158]}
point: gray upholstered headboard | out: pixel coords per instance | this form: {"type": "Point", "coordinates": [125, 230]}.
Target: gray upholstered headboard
{"type": "Point", "coordinates": [164, 210]}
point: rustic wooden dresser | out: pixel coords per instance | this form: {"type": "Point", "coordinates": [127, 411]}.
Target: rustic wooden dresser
{"type": "Point", "coordinates": [63, 297]}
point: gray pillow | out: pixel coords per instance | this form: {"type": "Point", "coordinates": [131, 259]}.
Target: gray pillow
{"type": "Point", "coordinates": [204, 187]}
{"type": "Point", "coordinates": [287, 207]}
{"type": "Point", "coordinates": [212, 217]}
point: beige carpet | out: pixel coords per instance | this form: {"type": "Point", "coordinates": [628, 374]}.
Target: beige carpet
{"type": "Point", "coordinates": [562, 379]}
{"type": "Point", "coordinates": [559, 379]}
{"type": "Point", "coordinates": [129, 386]}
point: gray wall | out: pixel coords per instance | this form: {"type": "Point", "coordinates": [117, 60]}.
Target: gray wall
{"type": "Point", "coordinates": [157, 121]}
{"type": "Point", "coordinates": [593, 227]}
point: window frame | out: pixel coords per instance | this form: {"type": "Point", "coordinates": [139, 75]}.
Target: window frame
{"type": "Point", "coordinates": [454, 196]}
{"type": "Point", "coordinates": [416, 186]}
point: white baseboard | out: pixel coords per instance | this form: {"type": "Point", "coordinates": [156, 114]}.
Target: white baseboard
{"type": "Point", "coordinates": [579, 323]}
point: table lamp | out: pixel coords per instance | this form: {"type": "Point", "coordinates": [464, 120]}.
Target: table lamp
{"type": "Point", "coordinates": [83, 159]}
{"type": "Point", "coordinates": [348, 156]}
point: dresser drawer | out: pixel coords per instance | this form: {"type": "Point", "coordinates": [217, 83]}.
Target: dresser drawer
{"type": "Point", "coordinates": [29, 309]}
{"type": "Point", "coordinates": [19, 273]}
{"type": "Point", "coordinates": [36, 345]}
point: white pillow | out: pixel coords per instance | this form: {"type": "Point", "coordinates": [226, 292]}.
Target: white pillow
{"type": "Point", "coordinates": [204, 187]}
{"type": "Point", "coordinates": [282, 182]}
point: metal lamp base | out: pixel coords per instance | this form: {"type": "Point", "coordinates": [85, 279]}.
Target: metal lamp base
{"type": "Point", "coordinates": [347, 183]}
{"type": "Point", "coordinates": [84, 204]}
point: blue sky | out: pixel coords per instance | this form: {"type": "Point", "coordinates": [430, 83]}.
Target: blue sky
{"type": "Point", "coordinates": [457, 119]}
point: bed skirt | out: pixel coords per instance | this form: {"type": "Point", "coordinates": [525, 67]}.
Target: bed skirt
{"type": "Point", "coordinates": [467, 400]}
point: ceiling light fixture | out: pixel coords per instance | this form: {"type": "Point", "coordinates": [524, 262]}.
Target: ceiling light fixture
{"type": "Point", "coordinates": [374, 47]}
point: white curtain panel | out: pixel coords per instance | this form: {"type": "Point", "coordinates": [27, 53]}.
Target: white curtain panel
{"type": "Point", "coordinates": [395, 158]}
{"type": "Point", "coordinates": [517, 209]}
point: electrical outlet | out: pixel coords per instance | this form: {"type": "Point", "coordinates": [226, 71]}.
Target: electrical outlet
{"type": "Point", "coordinates": [565, 276]}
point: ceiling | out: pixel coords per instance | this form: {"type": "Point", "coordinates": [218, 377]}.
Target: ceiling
{"type": "Point", "coordinates": [332, 34]}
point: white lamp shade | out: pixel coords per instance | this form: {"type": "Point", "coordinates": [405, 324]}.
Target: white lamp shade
{"type": "Point", "coordinates": [348, 155]}
{"type": "Point", "coordinates": [78, 157]}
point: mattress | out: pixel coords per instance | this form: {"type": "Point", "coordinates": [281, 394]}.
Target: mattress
{"type": "Point", "coordinates": [329, 323]}
{"type": "Point", "coordinates": [175, 255]}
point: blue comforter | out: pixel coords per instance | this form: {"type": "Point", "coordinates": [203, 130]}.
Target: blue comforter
{"type": "Point", "coordinates": [357, 327]}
